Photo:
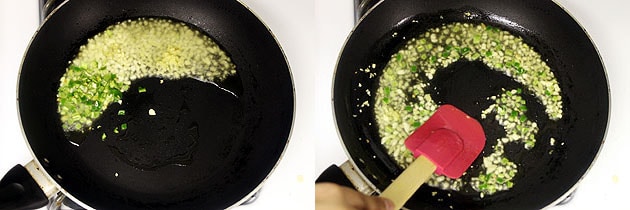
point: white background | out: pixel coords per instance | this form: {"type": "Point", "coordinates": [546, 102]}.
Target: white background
{"type": "Point", "coordinates": [312, 33]}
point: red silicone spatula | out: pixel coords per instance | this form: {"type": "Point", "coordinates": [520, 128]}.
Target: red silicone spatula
{"type": "Point", "coordinates": [447, 143]}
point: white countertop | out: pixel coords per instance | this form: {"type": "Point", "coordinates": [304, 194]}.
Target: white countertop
{"type": "Point", "coordinates": [312, 33]}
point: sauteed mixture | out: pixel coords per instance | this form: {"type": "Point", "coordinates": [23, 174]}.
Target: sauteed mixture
{"type": "Point", "coordinates": [110, 61]}
{"type": "Point", "coordinates": [402, 100]}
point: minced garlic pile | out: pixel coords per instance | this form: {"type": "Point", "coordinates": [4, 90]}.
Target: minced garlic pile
{"type": "Point", "coordinates": [402, 104]}
{"type": "Point", "coordinates": [133, 49]}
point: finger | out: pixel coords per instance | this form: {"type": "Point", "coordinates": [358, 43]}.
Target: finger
{"type": "Point", "coordinates": [329, 196]}
{"type": "Point", "coordinates": [353, 198]}
{"type": "Point", "coordinates": [361, 201]}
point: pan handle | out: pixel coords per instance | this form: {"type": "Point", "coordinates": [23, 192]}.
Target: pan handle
{"type": "Point", "coordinates": [334, 174]}
{"type": "Point", "coordinates": [18, 190]}
{"type": "Point", "coordinates": [347, 175]}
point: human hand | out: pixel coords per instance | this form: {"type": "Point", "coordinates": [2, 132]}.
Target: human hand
{"type": "Point", "coordinates": [330, 196]}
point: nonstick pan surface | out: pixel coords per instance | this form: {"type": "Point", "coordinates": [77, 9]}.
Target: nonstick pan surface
{"type": "Point", "coordinates": [543, 178]}
{"type": "Point", "coordinates": [211, 153]}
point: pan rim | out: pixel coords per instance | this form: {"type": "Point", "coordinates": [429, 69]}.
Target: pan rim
{"type": "Point", "coordinates": [257, 189]}
{"type": "Point", "coordinates": [359, 172]}
{"type": "Point", "coordinates": [560, 199]}
{"type": "Point", "coordinates": [45, 173]}
{"type": "Point", "coordinates": [575, 186]}
{"type": "Point", "coordinates": [58, 188]}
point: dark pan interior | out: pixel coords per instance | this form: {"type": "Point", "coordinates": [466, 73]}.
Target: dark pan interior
{"type": "Point", "coordinates": [208, 149]}
{"type": "Point", "coordinates": [542, 177]}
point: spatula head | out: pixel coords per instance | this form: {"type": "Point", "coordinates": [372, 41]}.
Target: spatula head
{"type": "Point", "coordinates": [451, 139]}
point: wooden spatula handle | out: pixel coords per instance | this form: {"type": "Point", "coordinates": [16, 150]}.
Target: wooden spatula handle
{"type": "Point", "coordinates": [406, 184]}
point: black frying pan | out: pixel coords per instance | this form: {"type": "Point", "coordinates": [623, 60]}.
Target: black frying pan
{"type": "Point", "coordinates": [207, 150]}
{"type": "Point", "coordinates": [542, 178]}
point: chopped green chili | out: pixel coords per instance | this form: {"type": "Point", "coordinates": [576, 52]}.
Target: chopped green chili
{"type": "Point", "coordinates": [465, 50]}
{"type": "Point", "coordinates": [446, 53]}
{"type": "Point", "coordinates": [523, 108]}
{"type": "Point", "coordinates": [523, 118]}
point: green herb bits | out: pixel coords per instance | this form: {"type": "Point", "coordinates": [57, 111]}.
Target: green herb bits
{"type": "Point", "coordinates": [129, 50]}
